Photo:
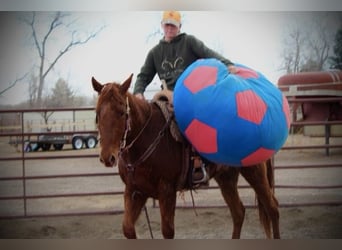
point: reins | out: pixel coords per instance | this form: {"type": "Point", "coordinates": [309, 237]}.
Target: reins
{"type": "Point", "coordinates": [151, 147]}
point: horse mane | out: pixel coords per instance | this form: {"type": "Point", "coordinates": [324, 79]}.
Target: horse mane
{"type": "Point", "coordinates": [140, 108]}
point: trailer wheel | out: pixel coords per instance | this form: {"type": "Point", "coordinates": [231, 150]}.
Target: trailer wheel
{"type": "Point", "coordinates": [77, 142]}
{"type": "Point", "coordinates": [34, 146]}
{"type": "Point", "coordinates": [46, 146]}
{"type": "Point", "coordinates": [58, 146]}
{"type": "Point", "coordinates": [91, 142]}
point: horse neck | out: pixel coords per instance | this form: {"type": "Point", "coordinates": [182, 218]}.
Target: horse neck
{"type": "Point", "coordinates": [140, 111]}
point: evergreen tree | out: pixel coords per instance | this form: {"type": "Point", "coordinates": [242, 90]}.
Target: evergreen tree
{"type": "Point", "coordinates": [62, 95]}
{"type": "Point", "coordinates": [336, 60]}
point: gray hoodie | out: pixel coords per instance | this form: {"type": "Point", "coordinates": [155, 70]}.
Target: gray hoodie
{"type": "Point", "coordinates": [170, 59]}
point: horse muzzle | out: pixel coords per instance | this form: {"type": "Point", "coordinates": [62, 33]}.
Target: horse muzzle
{"type": "Point", "coordinates": [109, 161]}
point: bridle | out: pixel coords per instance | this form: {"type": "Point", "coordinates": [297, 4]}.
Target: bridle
{"type": "Point", "coordinates": [150, 149]}
{"type": "Point", "coordinates": [127, 126]}
{"type": "Point", "coordinates": [123, 141]}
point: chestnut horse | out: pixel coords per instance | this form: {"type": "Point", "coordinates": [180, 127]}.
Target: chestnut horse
{"type": "Point", "coordinates": [134, 135]}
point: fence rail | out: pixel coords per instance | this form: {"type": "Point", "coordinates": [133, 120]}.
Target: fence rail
{"type": "Point", "coordinates": [24, 177]}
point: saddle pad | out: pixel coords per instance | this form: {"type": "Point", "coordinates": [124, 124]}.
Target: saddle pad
{"type": "Point", "coordinates": [237, 119]}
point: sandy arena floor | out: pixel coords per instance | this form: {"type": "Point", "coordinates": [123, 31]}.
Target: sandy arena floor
{"type": "Point", "coordinates": [303, 222]}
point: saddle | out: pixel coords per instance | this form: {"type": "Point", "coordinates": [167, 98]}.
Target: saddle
{"type": "Point", "coordinates": [194, 169]}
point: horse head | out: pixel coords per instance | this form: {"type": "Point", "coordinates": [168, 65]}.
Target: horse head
{"type": "Point", "coordinates": [111, 118]}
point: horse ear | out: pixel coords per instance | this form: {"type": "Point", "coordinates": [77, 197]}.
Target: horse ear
{"type": "Point", "coordinates": [96, 85]}
{"type": "Point", "coordinates": [126, 84]}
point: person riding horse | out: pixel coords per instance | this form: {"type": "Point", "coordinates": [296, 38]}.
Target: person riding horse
{"type": "Point", "coordinates": [170, 57]}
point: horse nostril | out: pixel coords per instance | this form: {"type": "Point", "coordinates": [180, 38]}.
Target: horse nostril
{"type": "Point", "coordinates": [112, 160]}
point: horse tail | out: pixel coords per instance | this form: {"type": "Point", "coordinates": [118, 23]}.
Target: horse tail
{"type": "Point", "coordinates": [270, 173]}
{"type": "Point", "coordinates": [263, 215]}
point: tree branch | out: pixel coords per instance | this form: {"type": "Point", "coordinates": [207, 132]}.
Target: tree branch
{"type": "Point", "coordinates": [41, 44]}
{"type": "Point", "coordinates": [72, 43]}
{"type": "Point", "coordinates": [11, 85]}
{"type": "Point", "coordinates": [31, 23]}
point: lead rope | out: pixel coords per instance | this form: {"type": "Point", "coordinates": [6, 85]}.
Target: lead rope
{"type": "Point", "coordinates": [148, 222]}
{"type": "Point", "coordinates": [193, 202]}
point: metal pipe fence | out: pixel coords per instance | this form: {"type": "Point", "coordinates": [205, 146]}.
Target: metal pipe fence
{"type": "Point", "coordinates": [24, 158]}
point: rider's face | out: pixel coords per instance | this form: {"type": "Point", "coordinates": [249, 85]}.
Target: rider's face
{"type": "Point", "coordinates": [170, 31]}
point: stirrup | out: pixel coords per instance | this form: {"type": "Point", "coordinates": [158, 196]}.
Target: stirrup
{"type": "Point", "coordinates": [205, 175]}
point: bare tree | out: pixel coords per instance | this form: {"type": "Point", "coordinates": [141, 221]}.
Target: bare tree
{"type": "Point", "coordinates": [307, 48]}
{"type": "Point", "coordinates": [319, 45]}
{"type": "Point", "coordinates": [41, 43]}
{"type": "Point", "coordinates": [293, 51]}
{"type": "Point", "coordinates": [33, 87]}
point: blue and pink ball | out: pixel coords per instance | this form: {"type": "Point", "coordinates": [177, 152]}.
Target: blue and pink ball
{"type": "Point", "coordinates": [237, 119]}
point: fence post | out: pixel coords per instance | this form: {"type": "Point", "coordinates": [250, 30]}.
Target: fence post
{"type": "Point", "coordinates": [327, 137]}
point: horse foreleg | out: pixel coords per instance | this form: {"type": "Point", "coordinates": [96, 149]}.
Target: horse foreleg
{"type": "Point", "coordinates": [256, 176]}
{"type": "Point", "coordinates": [227, 179]}
{"type": "Point", "coordinates": [133, 206]}
{"type": "Point", "coordinates": [167, 203]}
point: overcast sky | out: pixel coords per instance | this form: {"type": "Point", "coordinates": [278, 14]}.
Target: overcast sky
{"type": "Point", "coordinates": [251, 38]}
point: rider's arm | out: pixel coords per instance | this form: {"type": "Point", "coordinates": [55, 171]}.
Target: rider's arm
{"type": "Point", "coordinates": [146, 75]}
{"type": "Point", "coordinates": [202, 51]}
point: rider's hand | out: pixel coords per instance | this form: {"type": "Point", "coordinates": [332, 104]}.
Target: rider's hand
{"type": "Point", "coordinates": [140, 96]}
{"type": "Point", "coordinates": [232, 69]}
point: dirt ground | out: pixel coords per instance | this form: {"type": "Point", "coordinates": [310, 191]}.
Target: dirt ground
{"type": "Point", "coordinates": [323, 222]}
{"type": "Point", "coordinates": [300, 222]}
